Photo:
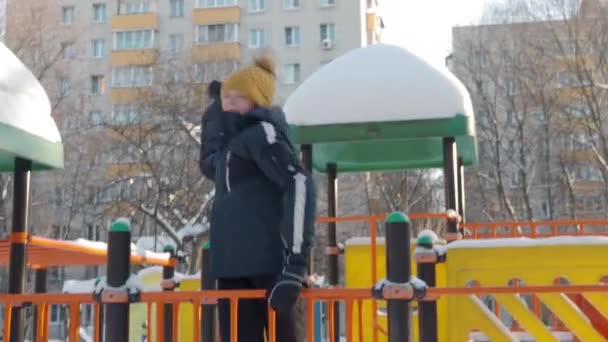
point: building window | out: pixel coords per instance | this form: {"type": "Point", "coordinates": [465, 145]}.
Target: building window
{"type": "Point", "coordinates": [215, 3]}
{"type": "Point", "coordinates": [132, 76]}
{"type": "Point", "coordinates": [176, 76]}
{"type": "Point", "coordinates": [68, 15]}
{"type": "Point", "coordinates": [257, 38]}
{"type": "Point", "coordinates": [218, 33]}
{"type": "Point", "coordinates": [134, 7]}
{"type": "Point", "coordinates": [486, 88]}
{"type": "Point", "coordinates": [55, 313]}
{"type": "Point", "coordinates": [99, 13]}
{"type": "Point", "coordinates": [328, 3]}
{"type": "Point", "coordinates": [292, 73]}
{"type": "Point", "coordinates": [207, 72]}
{"type": "Point", "coordinates": [64, 87]}
{"type": "Point", "coordinates": [97, 84]}
{"type": "Point", "coordinates": [128, 40]}
{"type": "Point", "coordinates": [328, 32]}
{"type": "Point", "coordinates": [512, 87]}
{"type": "Point", "coordinates": [291, 4]}
{"type": "Point", "coordinates": [67, 51]}
{"type": "Point", "coordinates": [177, 8]}
{"type": "Point", "coordinates": [292, 36]}
{"type": "Point", "coordinates": [99, 48]}
{"type": "Point", "coordinates": [95, 118]}
{"type": "Point", "coordinates": [125, 113]}
{"type": "Point", "coordinates": [176, 42]}
{"type": "Point", "coordinates": [257, 5]}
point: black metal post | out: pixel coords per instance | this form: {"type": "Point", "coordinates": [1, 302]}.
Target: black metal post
{"type": "Point", "coordinates": [450, 175]}
{"type": "Point", "coordinates": [332, 243]}
{"type": "Point", "coordinates": [208, 310]}
{"type": "Point", "coordinates": [461, 201]}
{"type": "Point", "coordinates": [39, 287]}
{"type": "Point", "coordinates": [427, 310]}
{"type": "Point", "coordinates": [17, 261]}
{"type": "Point", "coordinates": [306, 156]}
{"type": "Point", "coordinates": [168, 273]}
{"type": "Point", "coordinates": [398, 270]}
{"type": "Point", "coordinates": [116, 320]}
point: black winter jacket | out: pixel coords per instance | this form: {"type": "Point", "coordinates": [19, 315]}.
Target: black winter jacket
{"type": "Point", "coordinates": [264, 206]}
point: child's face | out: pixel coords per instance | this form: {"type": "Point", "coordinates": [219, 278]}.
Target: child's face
{"type": "Point", "coordinates": [234, 101]}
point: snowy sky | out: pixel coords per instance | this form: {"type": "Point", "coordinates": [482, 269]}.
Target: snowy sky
{"type": "Point", "coordinates": [424, 26]}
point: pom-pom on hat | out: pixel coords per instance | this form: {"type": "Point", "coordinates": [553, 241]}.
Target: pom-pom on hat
{"type": "Point", "coordinates": [255, 81]}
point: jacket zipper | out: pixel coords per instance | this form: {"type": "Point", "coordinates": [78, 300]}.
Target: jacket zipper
{"type": "Point", "coordinates": [228, 171]}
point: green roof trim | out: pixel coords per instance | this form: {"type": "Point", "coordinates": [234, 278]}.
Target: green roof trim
{"type": "Point", "coordinates": [457, 125]}
{"type": "Point", "coordinates": [14, 142]}
{"type": "Point", "coordinates": [397, 217]}
{"type": "Point", "coordinates": [382, 146]}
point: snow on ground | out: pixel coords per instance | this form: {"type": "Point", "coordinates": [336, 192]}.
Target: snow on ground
{"type": "Point", "coordinates": [78, 286]}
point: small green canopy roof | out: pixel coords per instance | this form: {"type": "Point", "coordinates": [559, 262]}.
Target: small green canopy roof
{"type": "Point", "coordinates": [27, 129]}
{"type": "Point", "coordinates": [381, 108]}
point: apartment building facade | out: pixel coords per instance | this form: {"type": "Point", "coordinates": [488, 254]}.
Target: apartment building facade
{"type": "Point", "coordinates": [534, 88]}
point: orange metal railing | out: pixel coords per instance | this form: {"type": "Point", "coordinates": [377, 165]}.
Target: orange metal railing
{"type": "Point", "coordinates": [350, 297]}
{"type": "Point", "coordinates": [372, 221]}
{"type": "Point", "coordinates": [532, 229]}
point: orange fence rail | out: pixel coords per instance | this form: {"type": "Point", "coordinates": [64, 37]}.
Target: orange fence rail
{"type": "Point", "coordinates": [350, 297]}
{"type": "Point", "coordinates": [534, 229]}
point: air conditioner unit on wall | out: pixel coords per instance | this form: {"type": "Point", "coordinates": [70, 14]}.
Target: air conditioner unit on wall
{"type": "Point", "coordinates": [327, 44]}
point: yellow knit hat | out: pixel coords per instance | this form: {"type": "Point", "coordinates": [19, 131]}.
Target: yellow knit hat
{"type": "Point", "coordinates": [256, 81]}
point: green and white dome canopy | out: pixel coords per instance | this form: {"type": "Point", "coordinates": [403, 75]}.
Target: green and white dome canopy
{"type": "Point", "coordinates": [381, 108]}
{"type": "Point", "coordinates": [27, 129]}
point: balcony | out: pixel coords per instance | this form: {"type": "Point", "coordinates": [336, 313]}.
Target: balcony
{"type": "Point", "coordinates": [577, 155]}
{"type": "Point", "coordinates": [135, 21]}
{"type": "Point", "coordinates": [133, 57]}
{"type": "Point", "coordinates": [216, 52]}
{"type": "Point", "coordinates": [128, 95]}
{"type": "Point", "coordinates": [205, 16]}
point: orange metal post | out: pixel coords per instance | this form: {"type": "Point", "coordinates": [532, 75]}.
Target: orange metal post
{"type": "Point", "coordinates": [74, 325]}
{"type": "Point", "coordinates": [349, 319]}
{"type": "Point", "coordinates": [196, 320]}
{"type": "Point", "coordinates": [7, 320]}
{"type": "Point", "coordinates": [97, 323]}
{"type": "Point", "coordinates": [234, 329]}
{"type": "Point", "coordinates": [331, 314]}
{"type": "Point", "coordinates": [272, 325]}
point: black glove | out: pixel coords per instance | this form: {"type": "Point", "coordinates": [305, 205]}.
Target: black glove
{"type": "Point", "coordinates": [286, 290]}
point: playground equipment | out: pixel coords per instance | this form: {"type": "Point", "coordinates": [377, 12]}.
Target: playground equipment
{"type": "Point", "coordinates": [411, 128]}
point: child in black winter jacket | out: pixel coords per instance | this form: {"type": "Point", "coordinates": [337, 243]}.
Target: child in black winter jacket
{"type": "Point", "coordinates": [264, 208]}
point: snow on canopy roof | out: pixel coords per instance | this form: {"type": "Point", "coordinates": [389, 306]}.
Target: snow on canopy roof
{"type": "Point", "coordinates": [25, 104]}
{"type": "Point", "coordinates": [374, 84]}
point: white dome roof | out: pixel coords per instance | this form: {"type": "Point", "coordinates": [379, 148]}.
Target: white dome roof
{"type": "Point", "coordinates": [375, 84]}
{"type": "Point", "coordinates": [24, 103]}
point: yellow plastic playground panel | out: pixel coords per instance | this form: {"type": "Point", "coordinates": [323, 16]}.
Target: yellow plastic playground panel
{"type": "Point", "coordinates": [358, 274]}
{"type": "Point", "coordinates": [538, 262]}
{"type": "Point", "coordinates": [138, 312]}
